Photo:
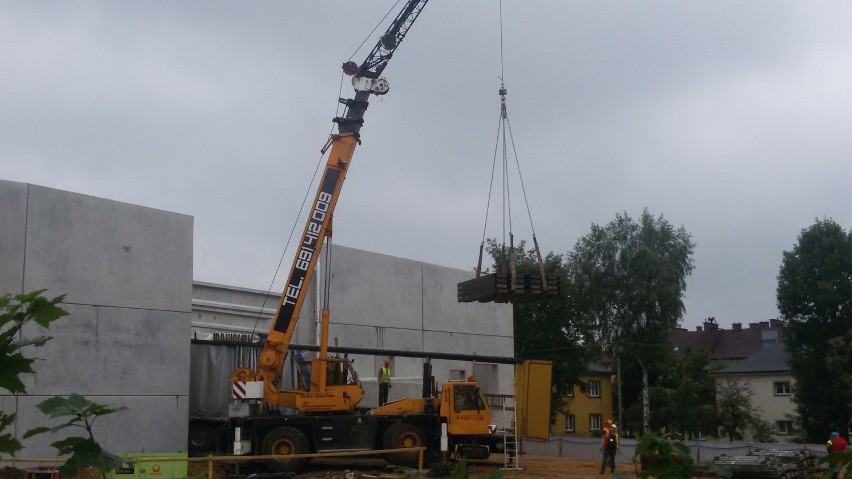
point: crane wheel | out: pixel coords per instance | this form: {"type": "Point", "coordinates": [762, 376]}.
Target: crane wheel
{"type": "Point", "coordinates": [284, 441]}
{"type": "Point", "coordinates": [202, 438]}
{"type": "Point", "coordinates": [403, 435]}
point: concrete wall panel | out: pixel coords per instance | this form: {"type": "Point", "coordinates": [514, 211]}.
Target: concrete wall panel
{"type": "Point", "coordinates": [375, 289]}
{"type": "Point", "coordinates": [491, 345]}
{"type": "Point", "coordinates": [127, 273]}
{"type": "Point", "coordinates": [443, 312]}
{"type": "Point", "coordinates": [150, 424]}
{"type": "Point", "coordinates": [353, 335]}
{"type": "Point", "coordinates": [102, 350]}
{"type": "Point", "coordinates": [108, 253]}
{"type": "Point", "coordinates": [446, 342]}
{"type": "Point", "coordinates": [13, 227]}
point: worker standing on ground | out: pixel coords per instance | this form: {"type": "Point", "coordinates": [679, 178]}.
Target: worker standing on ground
{"type": "Point", "coordinates": [384, 383]}
{"type": "Point", "coordinates": [609, 445]}
{"type": "Point", "coordinates": [836, 443]}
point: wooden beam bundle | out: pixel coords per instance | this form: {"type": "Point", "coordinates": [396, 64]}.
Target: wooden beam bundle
{"type": "Point", "coordinates": [497, 288]}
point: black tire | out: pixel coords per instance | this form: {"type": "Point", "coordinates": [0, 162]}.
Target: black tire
{"type": "Point", "coordinates": [403, 435]}
{"type": "Point", "coordinates": [284, 441]}
{"type": "Point", "coordinates": [202, 437]}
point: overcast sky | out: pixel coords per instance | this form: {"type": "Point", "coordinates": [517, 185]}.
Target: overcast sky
{"type": "Point", "coordinates": [729, 118]}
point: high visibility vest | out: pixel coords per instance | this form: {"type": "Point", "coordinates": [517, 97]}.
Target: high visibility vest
{"type": "Point", "coordinates": [385, 375]}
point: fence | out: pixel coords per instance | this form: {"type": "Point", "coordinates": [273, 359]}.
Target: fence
{"type": "Point", "coordinates": [588, 448]}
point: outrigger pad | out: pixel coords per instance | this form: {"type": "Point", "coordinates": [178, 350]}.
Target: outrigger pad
{"type": "Point", "coordinates": [496, 288]}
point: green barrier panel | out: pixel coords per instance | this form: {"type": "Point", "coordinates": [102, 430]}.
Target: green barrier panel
{"type": "Point", "coordinates": [151, 466]}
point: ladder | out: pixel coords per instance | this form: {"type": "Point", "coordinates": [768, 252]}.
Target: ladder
{"type": "Point", "coordinates": [510, 435]}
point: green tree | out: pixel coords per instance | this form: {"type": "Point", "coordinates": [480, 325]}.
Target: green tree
{"type": "Point", "coordinates": [815, 300]}
{"type": "Point", "coordinates": [734, 408]}
{"type": "Point", "coordinates": [15, 313]}
{"type": "Point", "coordinates": [628, 278]}
{"type": "Point", "coordinates": [684, 401]}
{"type": "Point", "coordinates": [547, 329]}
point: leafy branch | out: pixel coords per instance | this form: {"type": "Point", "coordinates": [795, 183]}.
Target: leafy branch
{"type": "Point", "coordinates": [663, 458]}
{"type": "Point", "coordinates": [84, 451]}
{"type": "Point", "coordinates": [15, 313]}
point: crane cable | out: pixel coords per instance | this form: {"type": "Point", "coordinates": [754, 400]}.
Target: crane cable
{"type": "Point", "coordinates": [504, 130]}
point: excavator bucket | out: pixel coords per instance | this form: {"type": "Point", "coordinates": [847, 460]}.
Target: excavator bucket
{"type": "Point", "coordinates": [498, 288]}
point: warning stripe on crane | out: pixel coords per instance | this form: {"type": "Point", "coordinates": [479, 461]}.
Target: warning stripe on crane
{"type": "Point", "coordinates": [238, 391]}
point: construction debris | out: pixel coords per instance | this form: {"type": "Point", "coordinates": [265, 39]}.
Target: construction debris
{"type": "Point", "coordinates": [771, 464]}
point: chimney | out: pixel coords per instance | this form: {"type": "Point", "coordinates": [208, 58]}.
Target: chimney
{"type": "Point", "coordinates": [710, 324]}
{"type": "Point", "coordinates": [737, 326]}
{"type": "Point", "coordinates": [753, 325]}
{"type": "Point", "coordinates": [698, 328]}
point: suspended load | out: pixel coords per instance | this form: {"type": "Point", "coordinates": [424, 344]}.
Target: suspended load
{"type": "Point", "coordinates": [499, 288]}
{"type": "Point", "coordinates": [506, 285]}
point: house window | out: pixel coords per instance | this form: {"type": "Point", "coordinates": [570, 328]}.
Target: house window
{"type": "Point", "coordinates": [594, 389]}
{"type": "Point", "coordinates": [457, 375]}
{"type": "Point", "coordinates": [595, 422]}
{"type": "Point", "coordinates": [782, 388]}
{"type": "Point", "coordinates": [783, 427]}
{"type": "Point", "coordinates": [571, 391]}
{"type": "Point", "coordinates": [569, 423]}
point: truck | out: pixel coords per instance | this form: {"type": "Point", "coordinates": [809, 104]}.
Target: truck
{"type": "Point", "coordinates": [320, 412]}
{"type": "Point", "coordinates": [213, 418]}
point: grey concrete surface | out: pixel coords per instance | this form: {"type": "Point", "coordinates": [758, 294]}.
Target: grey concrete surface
{"type": "Point", "coordinates": [149, 424]}
{"type": "Point", "coordinates": [137, 352]}
{"type": "Point", "coordinates": [107, 253]}
{"type": "Point", "coordinates": [127, 274]}
{"type": "Point", "coordinates": [13, 213]}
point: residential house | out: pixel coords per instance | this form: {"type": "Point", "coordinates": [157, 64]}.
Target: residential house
{"type": "Point", "coordinates": [587, 410]}
{"type": "Point", "coordinates": [767, 374]}
{"type": "Point", "coordinates": [755, 356]}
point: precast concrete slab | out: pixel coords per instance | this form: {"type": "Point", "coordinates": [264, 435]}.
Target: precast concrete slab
{"type": "Point", "coordinates": [374, 289]}
{"type": "Point", "coordinates": [108, 253]}
{"type": "Point", "coordinates": [443, 312]}
{"type": "Point", "coordinates": [100, 350]}
{"type": "Point", "coordinates": [149, 424]}
{"type": "Point", "coordinates": [13, 214]}
{"type": "Point", "coordinates": [126, 272]}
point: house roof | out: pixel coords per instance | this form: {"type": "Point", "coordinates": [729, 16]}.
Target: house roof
{"type": "Point", "coordinates": [595, 367]}
{"type": "Point", "coordinates": [772, 358]}
{"type": "Point", "coordinates": [728, 344]}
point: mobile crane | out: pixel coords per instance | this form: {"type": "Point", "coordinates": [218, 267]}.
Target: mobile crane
{"type": "Point", "coordinates": [330, 390]}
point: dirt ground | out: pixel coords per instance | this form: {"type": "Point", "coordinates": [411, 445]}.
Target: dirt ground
{"type": "Point", "coordinates": [539, 467]}
{"type": "Point", "coordinates": [532, 467]}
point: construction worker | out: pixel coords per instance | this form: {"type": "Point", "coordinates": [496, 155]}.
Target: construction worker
{"type": "Point", "coordinates": [609, 446]}
{"type": "Point", "coordinates": [836, 443]}
{"type": "Point", "coordinates": [384, 382]}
